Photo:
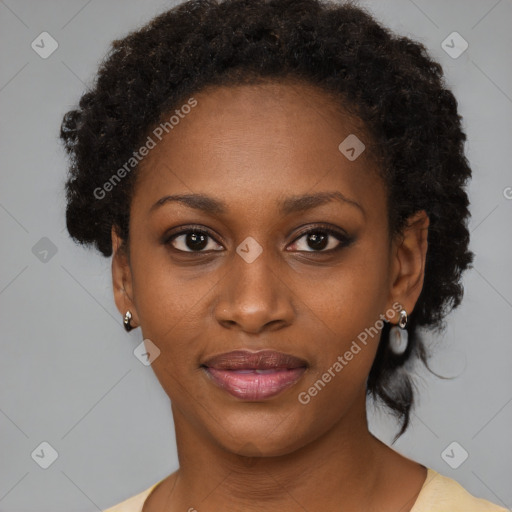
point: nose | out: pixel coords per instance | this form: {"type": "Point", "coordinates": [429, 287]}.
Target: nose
{"type": "Point", "coordinates": [253, 297]}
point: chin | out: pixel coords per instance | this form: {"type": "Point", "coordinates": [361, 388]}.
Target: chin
{"type": "Point", "coordinates": [260, 436]}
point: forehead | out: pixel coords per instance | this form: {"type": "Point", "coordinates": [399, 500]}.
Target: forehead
{"type": "Point", "coordinates": [250, 144]}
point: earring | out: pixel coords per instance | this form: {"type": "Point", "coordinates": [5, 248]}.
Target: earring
{"type": "Point", "coordinates": [126, 321]}
{"type": "Point", "coordinates": [398, 335]}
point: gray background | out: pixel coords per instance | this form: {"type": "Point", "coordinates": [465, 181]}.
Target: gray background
{"type": "Point", "coordinates": [67, 369]}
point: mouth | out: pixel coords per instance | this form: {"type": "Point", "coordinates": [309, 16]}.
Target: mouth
{"type": "Point", "coordinates": [254, 375]}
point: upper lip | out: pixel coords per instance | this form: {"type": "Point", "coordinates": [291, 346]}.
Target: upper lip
{"type": "Point", "coordinates": [246, 360]}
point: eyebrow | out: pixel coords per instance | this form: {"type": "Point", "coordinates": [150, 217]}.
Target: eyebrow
{"type": "Point", "coordinates": [292, 204]}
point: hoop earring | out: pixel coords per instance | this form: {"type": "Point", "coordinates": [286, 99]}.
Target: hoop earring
{"type": "Point", "coordinates": [398, 335]}
{"type": "Point", "coordinates": [126, 321]}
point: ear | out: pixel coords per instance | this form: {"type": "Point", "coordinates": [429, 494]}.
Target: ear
{"type": "Point", "coordinates": [122, 278]}
{"type": "Point", "coordinates": [409, 254]}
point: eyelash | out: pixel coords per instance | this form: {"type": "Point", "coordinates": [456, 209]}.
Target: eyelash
{"type": "Point", "coordinates": [343, 239]}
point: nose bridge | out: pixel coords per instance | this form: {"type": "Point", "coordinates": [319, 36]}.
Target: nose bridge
{"type": "Point", "coordinates": [253, 296]}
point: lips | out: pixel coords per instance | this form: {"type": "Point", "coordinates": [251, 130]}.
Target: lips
{"type": "Point", "coordinates": [263, 360]}
{"type": "Point", "coordinates": [254, 375]}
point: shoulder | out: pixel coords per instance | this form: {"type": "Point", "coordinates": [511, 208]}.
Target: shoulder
{"type": "Point", "coordinates": [442, 494]}
{"type": "Point", "coordinates": [133, 504]}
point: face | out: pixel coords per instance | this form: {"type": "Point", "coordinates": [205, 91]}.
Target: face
{"type": "Point", "coordinates": [254, 267]}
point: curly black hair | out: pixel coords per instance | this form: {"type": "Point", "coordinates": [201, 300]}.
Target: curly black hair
{"type": "Point", "coordinates": [388, 82]}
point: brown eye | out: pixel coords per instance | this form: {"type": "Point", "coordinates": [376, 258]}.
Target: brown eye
{"type": "Point", "coordinates": [321, 240]}
{"type": "Point", "coordinates": [192, 240]}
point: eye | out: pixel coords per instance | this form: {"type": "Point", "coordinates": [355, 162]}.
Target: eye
{"type": "Point", "coordinates": [321, 239]}
{"type": "Point", "coordinates": [192, 240]}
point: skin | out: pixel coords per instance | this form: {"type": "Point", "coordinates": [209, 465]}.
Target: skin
{"type": "Point", "coordinates": [250, 147]}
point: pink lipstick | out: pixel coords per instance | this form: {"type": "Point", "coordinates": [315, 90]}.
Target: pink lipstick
{"type": "Point", "coordinates": [254, 375]}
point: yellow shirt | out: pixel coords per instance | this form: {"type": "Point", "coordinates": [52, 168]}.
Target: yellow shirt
{"type": "Point", "coordinates": [438, 494]}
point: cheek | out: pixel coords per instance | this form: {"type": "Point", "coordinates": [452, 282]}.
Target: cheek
{"type": "Point", "coordinates": [171, 315]}
{"type": "Point", "coordinates": [168, 299]}
{"type": "Point", "coordinates": [348, 334]}
{"type": "Point", "coordinates": [349, 298]}
{"type": "Point", "coordinates": [168, 312]}
{"type": "Point", "coordinates": [345, 313]}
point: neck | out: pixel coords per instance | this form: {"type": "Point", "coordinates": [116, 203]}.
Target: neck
{"type": "Point", "coordinates": [342, 465]}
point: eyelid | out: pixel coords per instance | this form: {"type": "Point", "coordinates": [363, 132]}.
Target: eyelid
{"type": "Point", "coordinates": [336, 232]}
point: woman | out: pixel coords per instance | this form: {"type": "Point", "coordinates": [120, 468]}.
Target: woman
{"type": "Point", "coordinates": [280, 185]}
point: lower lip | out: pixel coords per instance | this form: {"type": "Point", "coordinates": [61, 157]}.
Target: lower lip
{"type": "Point", "coordinates": [255, 386]}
